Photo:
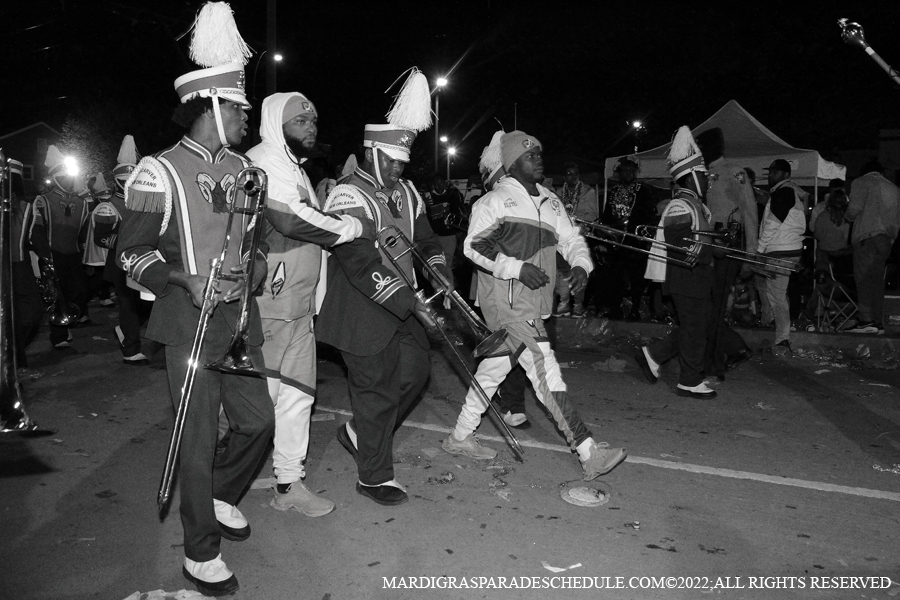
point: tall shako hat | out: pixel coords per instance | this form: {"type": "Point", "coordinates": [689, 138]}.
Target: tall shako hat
{"type": "Point", "coordinates": [684, 156]}
{"type": "Point", "coordinates": [15, 167]}
{"type": "Point", "coordinates": [126, 162]}
{"type": "Point", "coordinates": [216, 44]}
{"type": "Point", "coordinates": [55, 162]}
{"type": "Point", "coordinates": [491, 162]}
{"type": "Point", "coordinates": [410, 114]}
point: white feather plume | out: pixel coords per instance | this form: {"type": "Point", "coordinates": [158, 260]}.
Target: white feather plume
{"type": "Point", "coordinates": [491, 157]}
{"type": "Point", "coordinates": [216, 40]}
{"type": "Point", "coordinates": [412, 106]}
{"type": "Point", "coordinates": [128, 154]}
{"type": "Point", "coordinates": [54, 157]}
{"type": "Point", "coordinates": [683, 146]}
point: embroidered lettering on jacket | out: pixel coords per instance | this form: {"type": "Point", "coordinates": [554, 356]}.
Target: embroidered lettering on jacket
{"type": "Point", "coordinates": [277, 280]}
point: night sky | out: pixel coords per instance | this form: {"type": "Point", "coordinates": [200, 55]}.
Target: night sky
{"type": "Point", "coordinates": [572, 75]}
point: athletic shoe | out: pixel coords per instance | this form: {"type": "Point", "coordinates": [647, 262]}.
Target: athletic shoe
{"type": "Point", "coordinates": [107, 302]}
{"type": "Point", "coordinates": [562, 310]}
{"type": "Point", "coordinates": [867, 327]}
{"type": "Point", "coordinates": [468, 447]}
{"type": "Point", "coordinates": [601, 460]}
{"type": "Point", "coordinates": [578, 311]}
{"type": "Point", "coordinates": [299, 498]}
{"type": "Point", "coordinates": [136, 360]}
{"type": "Point", "coordinates": [698, 391]}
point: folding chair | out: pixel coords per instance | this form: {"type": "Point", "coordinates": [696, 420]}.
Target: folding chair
{"type": "Point", "coordinates": [836, 306]}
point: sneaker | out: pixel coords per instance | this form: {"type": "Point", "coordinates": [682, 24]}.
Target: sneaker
{"type": "Point", "coordinates": [602, 460]}
{"type": "Point", "coordinates": [107, 302]}
{"type": "Point", "coordinates": [562, 310]}
{"type": "Point", "coordinates": [65, 343]}
{"type": "Point", "coordinates": [578, 311]}
{"type": "Point", "coordinates": [865, 327]}
{"type": "Point", "coordinates": [782, 348]}
{"type": "Point", "coordinates": [212, 577]}
{"type": "Point", "coordinates": [467, 447]}
{"type": "Point", "coordinates": [701, 391]}
{"type": "Point", "coordinates": [136, 360]}
{"type": "Point", "coordinates": [299, 498]}
{"type": "Point", "coordinates": [515, 419]}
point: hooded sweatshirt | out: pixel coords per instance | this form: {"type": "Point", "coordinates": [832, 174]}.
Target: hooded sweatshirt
{"type": "Point", "coordinates": [299, 229]}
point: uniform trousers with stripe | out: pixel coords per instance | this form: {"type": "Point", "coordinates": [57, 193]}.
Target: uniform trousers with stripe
{"type": "Point", "coordinates": [528, 344]}
{"type": "Point", "coordinates": [290, 353]}
{"type": "Point", "coordinates": [383, 388]}
{"type": "Point", "coordinates": [688, 340]}
{"type": "Point", "coordinates": [204, 474]}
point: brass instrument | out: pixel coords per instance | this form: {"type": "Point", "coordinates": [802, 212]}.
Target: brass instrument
{"type": "Point", "coordinates": [13, 418]}
{"type": "Point", "coordinates": [852, 33]}
{"type": "Point", "coordinates": [389, 237]}
{"type": "Point", "coordinates": [766, 264]}
{"type": "Point", "coordinates": [61, 313]}
{"type": "Point", "coordinates": [691, 255]}
{"type": "Point", "coordinates": [253, 182]}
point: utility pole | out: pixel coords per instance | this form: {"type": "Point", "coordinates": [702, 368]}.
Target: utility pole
{"type": "Point", "coordinates": [271, 21]}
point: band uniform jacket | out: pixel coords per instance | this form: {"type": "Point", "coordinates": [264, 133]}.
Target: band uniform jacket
{"type": "Point", "coordinates": [366, 302]}
{"type": "Point", "coordinates": [175, 216]}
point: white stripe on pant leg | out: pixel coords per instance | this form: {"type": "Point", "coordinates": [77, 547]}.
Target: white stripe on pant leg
{"type": "Point", "coordinates": [490, 374]}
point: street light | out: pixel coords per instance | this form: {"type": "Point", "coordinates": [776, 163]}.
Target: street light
{"type": "Point", "coordinates": [438, 84]}
{"type": "Point", "coordinates": [451, 151]}
{"type": "Point", "coordinates": [275, 57]}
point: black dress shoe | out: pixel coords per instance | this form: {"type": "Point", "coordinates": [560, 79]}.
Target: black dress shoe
{"type": "Point", "coordinates": [215, 589]}
{"type": "Point", "coordinates": [740, 359]}
{"type": "Point", "coordinates": [645, 366]}
{"type": "Point", "coordinates": [346, 442]}
{"type": "Point", "coordinates": [233, 533]}
{"type": "Point", "coordinates": [386, 495]}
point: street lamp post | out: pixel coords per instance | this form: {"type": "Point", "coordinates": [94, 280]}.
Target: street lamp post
{"type": "Point", "coordinates": [451, 151]}
{"type": "Point", "coordinates": [438, 84]}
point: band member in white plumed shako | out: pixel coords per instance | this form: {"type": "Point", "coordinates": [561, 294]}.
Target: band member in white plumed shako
{"type": "Point", "coordinates": [175, 220]}
{"type": "Point", "coordinates": [369, 314]}
{"type": "Point", "coordinates": [61, 217]}
{"type": "Point", "coordinates": [107, 219]}
{"type": "Point", "coordinates": [299, 230]}
{"type": "Point", "coordinates": [514, 234]}
{"type": "Point", "coordinates": [691, 288]}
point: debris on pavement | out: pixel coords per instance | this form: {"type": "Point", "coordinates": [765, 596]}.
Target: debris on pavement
{"type": "Point", "coordinates": [447, 477]}
{"type": "Point", "coordinates": [750, 434]}
{"type": "Point", "coordinates": [163, 595]}
{"type": "Point", "coordinates": [584, 496]}
{"type": "Point", "coordinates": [430, 452]}
{"type": "Point", "coordinates": [895, 470]}
{"type": "Point", "coordinates": [635, 525]}
{"type": "Point", "coordinates": [762, 406]}
{"type": "Point", "coordinates": [553, 569]}
{"type": "Point", "coordinates": [612, 364]}
{"type": "Point", "coordinates": [820, 371]}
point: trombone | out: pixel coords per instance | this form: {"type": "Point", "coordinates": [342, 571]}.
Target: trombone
{"type": "Point", "coordinates": [771, 263]}
{"type": "Point", "coordinates": [691, 254]}
{"type": "Point", "coordinates": [389, 237]}
{"type": "Point", "coordinates": [253, 182]}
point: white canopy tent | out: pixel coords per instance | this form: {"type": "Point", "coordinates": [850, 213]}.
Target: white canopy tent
{"type": "Point", "coordinates": [747, 142]}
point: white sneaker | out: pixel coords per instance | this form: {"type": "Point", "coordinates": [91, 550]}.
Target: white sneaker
{"type": "Point", "coordinates": [299, 498]}
{"type": "Point", "coordinates": [698, 391]}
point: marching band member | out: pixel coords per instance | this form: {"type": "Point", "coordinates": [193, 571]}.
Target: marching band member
{"type": "Point", "coordinates": [369, 313]}
{"type": "Point", "coordinates": [691, 289]}
{"type": "Point", "coordinates": [289, 301]}
{"type": "Point", "coordinates": [177, 206]}
{"type": "Point", "coordinates": [507, 237]}
{"type": "Point", "coordinates": [61, 216]}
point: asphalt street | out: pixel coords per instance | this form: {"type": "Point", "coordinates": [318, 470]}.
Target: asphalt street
{"type": "Point", "coordinates": [785, 486]}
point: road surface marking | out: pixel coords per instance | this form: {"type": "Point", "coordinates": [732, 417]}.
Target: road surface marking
{"type": "Point", "coordinates": [665, 464]}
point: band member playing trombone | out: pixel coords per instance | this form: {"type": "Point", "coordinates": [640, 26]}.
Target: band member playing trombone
{"type": "Point", "coordinates": [691, 288]}
{"type": "Point", "coordinates": [288, 303]}
{"type": "Point", "coordinates": [177, 212]}
{"type": "Point", "coordinates": [369, 313]}
{"type": "Point", "coordinates": [514, 234]}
